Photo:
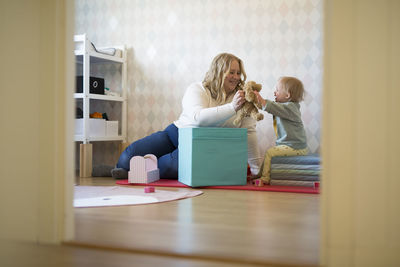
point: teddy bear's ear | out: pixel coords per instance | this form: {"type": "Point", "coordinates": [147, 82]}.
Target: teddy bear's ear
{"type": "Point", "coordinates": [257, 87]}
{"type": "Point", "coordinates": [251, 83]}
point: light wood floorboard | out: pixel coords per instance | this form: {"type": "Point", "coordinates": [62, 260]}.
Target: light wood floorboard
{"type": "Point", "coordinates": [233, 226]}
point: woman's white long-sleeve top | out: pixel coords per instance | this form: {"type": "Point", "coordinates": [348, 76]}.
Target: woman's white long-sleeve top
{"type": "Point", "coordinates": [199, 109]}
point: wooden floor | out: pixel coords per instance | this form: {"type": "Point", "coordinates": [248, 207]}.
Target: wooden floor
{"type": "Point", "coordinates": [219, 227]}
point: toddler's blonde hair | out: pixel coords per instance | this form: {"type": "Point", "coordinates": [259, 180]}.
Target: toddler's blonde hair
{"type": "Point", "coordinates": [294, 87]}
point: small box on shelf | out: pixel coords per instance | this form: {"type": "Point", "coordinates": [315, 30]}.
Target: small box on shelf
{"type": "Point", "coordinates": [97, 127]}
{"type": "Point", "coordinates": [111, 128]}
{"type": "Point", "coordinates": [96, 85]}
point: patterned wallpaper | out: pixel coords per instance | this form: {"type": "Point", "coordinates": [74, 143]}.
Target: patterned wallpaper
{"type": "Point", "coordinates": [172, 42]}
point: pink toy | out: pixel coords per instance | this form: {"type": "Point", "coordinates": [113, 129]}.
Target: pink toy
{"type": "Point", "coordinates": [149, 189]}
{"type": "Point", "coordinates": [258, 182]}
{"type": "Point", "coordinates": [143, 169]}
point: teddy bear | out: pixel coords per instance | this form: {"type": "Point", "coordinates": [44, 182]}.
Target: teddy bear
{"type": "Point", "coordinates": [249, 108]}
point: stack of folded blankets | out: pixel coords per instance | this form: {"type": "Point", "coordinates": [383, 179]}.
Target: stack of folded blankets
{"type": "Point", "coordinates": [295, 170]}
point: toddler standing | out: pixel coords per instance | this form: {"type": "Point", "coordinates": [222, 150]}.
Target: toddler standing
{"type": "Point", "coordinates": [289, 129]}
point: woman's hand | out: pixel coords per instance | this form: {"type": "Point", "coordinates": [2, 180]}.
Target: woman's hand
{"type": "Point", "coordinates": [238, 100]}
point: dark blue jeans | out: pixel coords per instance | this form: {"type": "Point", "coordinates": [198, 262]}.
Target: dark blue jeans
{"type": "Point", "coordinates": [162, 144]}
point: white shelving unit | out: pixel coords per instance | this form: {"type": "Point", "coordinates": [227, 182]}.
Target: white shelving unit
{"type": "Point", "coordinates": [87, 58]}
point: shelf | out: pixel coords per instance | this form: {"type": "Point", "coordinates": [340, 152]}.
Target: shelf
{"type": "Point", "coordinates": [86, 47]}
{"type": "Point", "coordinates": [86, 56]}
{"type": "Point", "coordinates": [80, 138]}
{"type": "Point", "coordinates": [88, 62]}
{"type": "Point", "coordinates": [97, 57]}
{"type": "Point", "coordinates": [99, 97]}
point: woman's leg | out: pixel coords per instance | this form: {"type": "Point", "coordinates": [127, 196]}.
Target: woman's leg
{"type": "Point", "coordinates": [168, 165]}
{"type": "Point", "coordinates": [161, 144]}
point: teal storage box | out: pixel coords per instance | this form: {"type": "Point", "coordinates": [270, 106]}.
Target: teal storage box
{"type": "Point", "coordinates": [212, 156]}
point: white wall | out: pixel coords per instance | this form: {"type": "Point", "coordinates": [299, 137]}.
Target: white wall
{"type": "Point", "coordinates": [360, 149]}
{"type": "Point", "coordinates": [36, 118]}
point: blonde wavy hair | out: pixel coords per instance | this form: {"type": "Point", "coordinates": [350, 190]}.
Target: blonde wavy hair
{"type": "Point", "coordinates": [215, 76]}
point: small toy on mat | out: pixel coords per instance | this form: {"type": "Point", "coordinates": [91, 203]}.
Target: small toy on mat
{"type": "Point", "coordinates": [143, 169]}
{"type": "Point", "coordinates": [149, 189]}
{"type": "Point", "coordinates": [258, 182]}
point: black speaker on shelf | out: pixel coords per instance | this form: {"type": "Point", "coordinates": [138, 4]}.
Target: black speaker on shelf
{"type": "Point", "coordinates": [96, 85]}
